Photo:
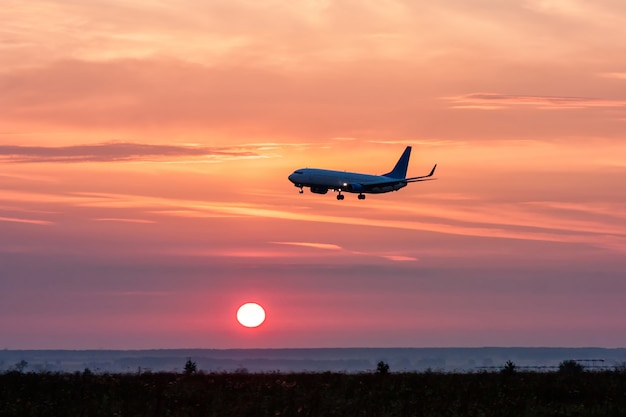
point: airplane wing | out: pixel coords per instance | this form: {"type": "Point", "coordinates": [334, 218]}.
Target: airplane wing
{"type": "Point", "coordinates": [369, 185]}
{"type": "Point", "coordinates": [423, 177]}
{"type": "Point", "coordinates": [412, 179]}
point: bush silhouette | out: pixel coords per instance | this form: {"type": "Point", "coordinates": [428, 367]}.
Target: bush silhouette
{"type": "Point", "coordinates": [509, 368]}
{"type": "Point", "coordinates": [570, 367]}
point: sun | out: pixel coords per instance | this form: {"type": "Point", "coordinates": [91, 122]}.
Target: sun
{"type": "Point", "coordinates": [251, 315]}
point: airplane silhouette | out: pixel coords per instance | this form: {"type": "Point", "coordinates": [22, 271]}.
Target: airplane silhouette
{"type": "Point", "coordinates": [322, 180]}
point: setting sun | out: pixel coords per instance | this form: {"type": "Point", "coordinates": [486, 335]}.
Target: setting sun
{"type": "Point", "coordinates": [251, 315]}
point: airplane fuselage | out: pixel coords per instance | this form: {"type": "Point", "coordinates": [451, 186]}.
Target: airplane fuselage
{"type": "Point", "coordinates": [322, 180]}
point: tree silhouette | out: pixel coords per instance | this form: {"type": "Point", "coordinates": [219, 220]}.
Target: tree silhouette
{"type": "Point", "coordinates": [21, 365]}
{"type": "Point", "coordinates": [190, 367]}
{"type": "Point", "coordinates": [382, 368]}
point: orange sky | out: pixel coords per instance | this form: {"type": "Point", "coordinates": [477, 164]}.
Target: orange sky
{"type": "Point", "coordinates": [145, 148]}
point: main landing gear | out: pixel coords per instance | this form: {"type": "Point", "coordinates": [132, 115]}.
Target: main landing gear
{"type": "Point", "coordinates": [341, 196]}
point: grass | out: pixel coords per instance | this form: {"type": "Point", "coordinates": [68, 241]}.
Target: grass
{"type": "Point", "coordinates": [313, 394]}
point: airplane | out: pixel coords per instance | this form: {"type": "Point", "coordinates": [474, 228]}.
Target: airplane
{"type": "Point", "coordinates": [322, 180]}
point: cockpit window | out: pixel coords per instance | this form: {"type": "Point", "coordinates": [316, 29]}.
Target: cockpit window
{"type": "Point", "coordinates": [298, 172]}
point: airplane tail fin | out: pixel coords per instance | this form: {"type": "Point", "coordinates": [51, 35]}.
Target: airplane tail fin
{"type": "Point", "coordinates": [399, 171]}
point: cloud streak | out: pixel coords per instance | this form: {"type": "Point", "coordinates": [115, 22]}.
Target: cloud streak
{"type": "Point", "coordinates": [119, 152]}
{"type": "Point", "coordinates": [21, 220]}
{"type": "Point", "coordinates": [325, 246]}
{"type": "Point", "coordinates": [494, 101]}
{"type": "Point", "coordinates": [614, 75]}
{"type": "Point", "coordinates": [125, 220]}
{"type": "Point", "coordinates": [521, 222]}
{"type": "Point", "coordinates": [334, 247]}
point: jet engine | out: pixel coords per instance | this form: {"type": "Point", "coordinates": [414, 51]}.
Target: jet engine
{"type": "Point", "coordinates": [355, 188]}
{"type": "Point", "coordinates": [319, 190]}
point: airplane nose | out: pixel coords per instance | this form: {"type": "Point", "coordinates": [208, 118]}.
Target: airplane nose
{"type": "Point", "coordinates": [290, 178]}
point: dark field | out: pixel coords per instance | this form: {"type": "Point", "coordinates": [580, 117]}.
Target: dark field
{"type": "Point", "coordinates": [313, 394]}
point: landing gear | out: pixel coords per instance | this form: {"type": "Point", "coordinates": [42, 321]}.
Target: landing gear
{"type": "Point", "coordinates": [300, 190]}
{"type": "Point", "coordinates": [361, 196]}
{"type": "Point", "coordinates": [340, 196]}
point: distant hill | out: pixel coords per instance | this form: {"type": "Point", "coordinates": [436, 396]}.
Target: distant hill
{"type": "Point", "coordinates": [349, 360]}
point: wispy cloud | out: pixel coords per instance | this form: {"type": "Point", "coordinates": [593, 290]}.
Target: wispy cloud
{"type": "Point", "coordinates": [120, 152]}
{"type": "Point", "coordinates": [125, 220]}
{"type": "Point", "coordinates": [326, 246]}
{"type": "Point", "coordinates": [399, 258]}
{"type": "Point", "coordinates": [493, 101]}
{"type": "Point", "coordinates": [616, 75]}
{"type": "Point", "coordinates": [563, 223]}
{"type": "Point", "coordinates": [334, 247]}
{"type": "Point", "coordinates": [22, 220]}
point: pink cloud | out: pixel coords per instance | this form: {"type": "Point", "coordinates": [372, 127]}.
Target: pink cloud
{"type": "Point", "coordinates": [614, 75]}
{"type": "Point", "coordinates": [22, 220]}
{"type": "Point", "coordinates": [325, 246]}
{"type": "Point", "coordinates": [494, 101]}
{"type": "Point", "coordinates": [399, 258]}
{"type": "Point", "coordinates": [120, 152]}
{"type": "Point", "coordinates": [125, 220]}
